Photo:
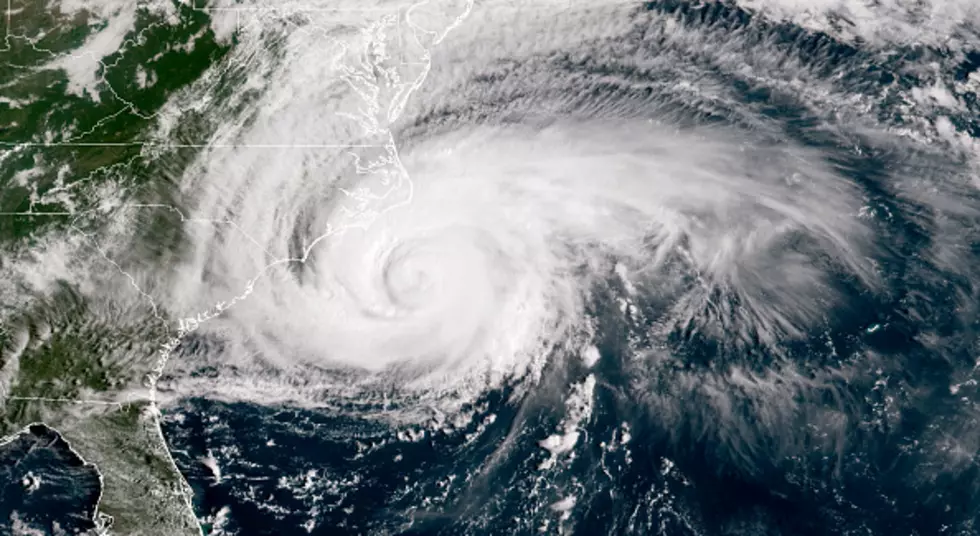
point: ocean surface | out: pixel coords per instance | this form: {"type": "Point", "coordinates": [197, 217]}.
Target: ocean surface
{"type": "Point", "coordinates": [706, 272]}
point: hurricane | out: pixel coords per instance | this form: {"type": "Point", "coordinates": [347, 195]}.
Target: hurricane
{"type": "Point", "coordinates": [576, 268]}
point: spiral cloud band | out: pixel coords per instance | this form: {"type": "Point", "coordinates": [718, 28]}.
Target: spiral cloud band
{"type": "Point", "coordinates": [503, 231]}
{"type": "Point", "coordinates": [446, 230]}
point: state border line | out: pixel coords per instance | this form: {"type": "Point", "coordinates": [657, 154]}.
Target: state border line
{"type": "Point", "coordinates": [6, 33]}
{"type": "Point", "coordinates": [295, 7]}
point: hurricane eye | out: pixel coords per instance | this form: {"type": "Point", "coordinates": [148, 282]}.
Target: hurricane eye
{"type": "Point", "coordinates": [455, 267]}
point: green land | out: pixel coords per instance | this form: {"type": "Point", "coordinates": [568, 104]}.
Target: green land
{"type": "Point", "coordinates": [70, 360]}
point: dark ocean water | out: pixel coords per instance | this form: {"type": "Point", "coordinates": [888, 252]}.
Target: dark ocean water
{"type": "Point", "coordinates": [293, 471]}
{"type": "Point", "coordinates": [44, 485]}
{"type": "Point", "coordinates": [888, 450]}
{"type": "Point", "coordinates": [869, 453]}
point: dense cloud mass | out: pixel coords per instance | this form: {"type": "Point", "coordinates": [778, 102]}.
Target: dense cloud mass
{"type": "Point", "coordinates": [750, 235]}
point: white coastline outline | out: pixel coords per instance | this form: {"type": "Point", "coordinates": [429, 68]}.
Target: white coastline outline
{"type": "Point", "coordinates": [189, 324]}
